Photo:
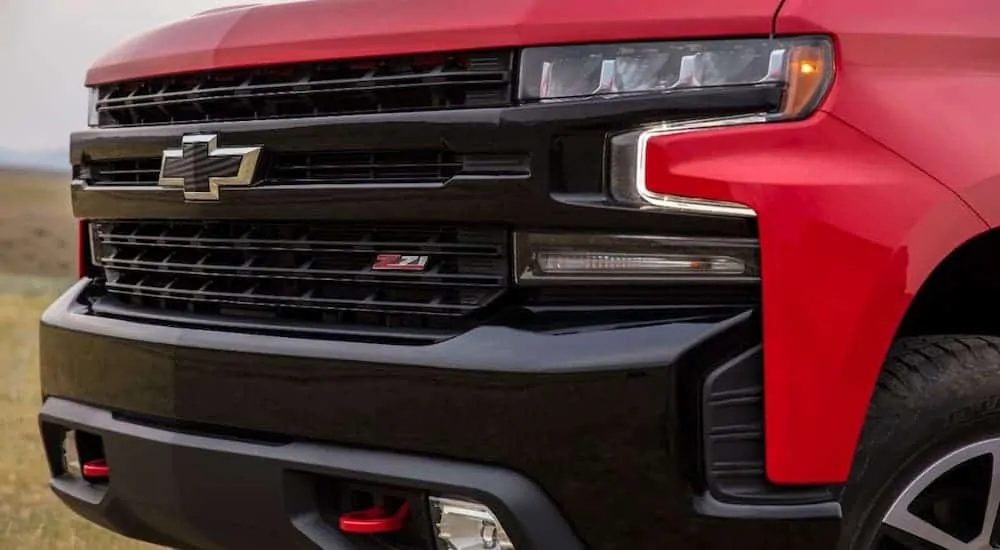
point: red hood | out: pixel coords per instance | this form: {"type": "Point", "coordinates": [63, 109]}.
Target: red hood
{"type": "Point", "coordinates": [331, 29]}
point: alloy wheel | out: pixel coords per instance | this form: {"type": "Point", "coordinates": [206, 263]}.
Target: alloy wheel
{"type": "Point", "coordinates": [952, 505]}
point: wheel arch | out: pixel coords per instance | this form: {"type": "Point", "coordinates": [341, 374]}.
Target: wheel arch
{"type": "Point", "coordinates": [942, 282]}
{"type": "Point", "coordinates": [960, 293]}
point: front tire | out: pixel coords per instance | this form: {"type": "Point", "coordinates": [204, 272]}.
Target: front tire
{"type": "Point", "coordinates": [927, 470]}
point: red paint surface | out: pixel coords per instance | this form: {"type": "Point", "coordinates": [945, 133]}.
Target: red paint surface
{"type": "Point", "coordinates": [922, 78]}
{"type": "Point", "coordinates": [340, 29]}
{"type": "Point", "coordinates": [849, 231]}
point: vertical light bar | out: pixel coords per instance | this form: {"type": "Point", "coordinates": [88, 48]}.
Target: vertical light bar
{"type": "Point", "coordinates": [690, 72]}
{"type": "Point", "coordinates": [546, 82]}
{"type": "Point", "coordinates": [776, 66]}
{"type": "Point", "coordinates": [609, 71]}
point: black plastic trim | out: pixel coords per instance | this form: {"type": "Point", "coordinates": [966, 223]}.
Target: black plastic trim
{"type": "Point", "coordinates": [111, 307]}
{"type": "Point", "coordinates": [144, 499]}
{"type": "Point", "coordinates": [560, 186]}
{"type": "Point", "coordinates": [732, 445]}
{"type": "Point", "coordinates": [476, 350]}
{"type": "Point", "coordinates": [708, 505]}
{"type": "Point", "coordinates": [594, 418]}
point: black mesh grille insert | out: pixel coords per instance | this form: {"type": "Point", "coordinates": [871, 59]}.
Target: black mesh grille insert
{"type": "Point", "coordinates": [318, 273]}
{"type": "Point", "coordinates": [411, 83]}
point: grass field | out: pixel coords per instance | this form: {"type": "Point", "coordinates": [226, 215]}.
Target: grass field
{"type": "Point", "coordinates": [37, 246]}
{"type": "Point", "coordinates": [31, 518]}
{"type": "Point", "coordinates": [37, 232]}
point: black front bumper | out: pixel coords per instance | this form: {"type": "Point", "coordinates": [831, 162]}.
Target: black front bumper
{"type": "Point", "coordinates": [191, 491]}
{"type": "Point", "coordinates": [599, 427]}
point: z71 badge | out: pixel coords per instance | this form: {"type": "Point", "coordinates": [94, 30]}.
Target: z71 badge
{"type": "Point", "coordinates": [399, 262]}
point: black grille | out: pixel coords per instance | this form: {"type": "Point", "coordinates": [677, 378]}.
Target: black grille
{"type": "Point", "coordinates": [315, 273]}
{"type": "Point", "coordinates": [411, 83]}
{"type": "Point", "coordinates": [330, 168]}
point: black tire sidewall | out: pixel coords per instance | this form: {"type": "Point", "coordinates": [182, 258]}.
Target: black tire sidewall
{"type": "Point", "coordinates": [899, 444]}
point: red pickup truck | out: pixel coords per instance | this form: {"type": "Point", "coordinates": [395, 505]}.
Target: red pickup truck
{"type": "Point", "coordinates": [538, 275]}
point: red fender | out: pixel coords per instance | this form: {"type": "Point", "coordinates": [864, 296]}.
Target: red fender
{"type": "Point", "coordinates": [849, 231]}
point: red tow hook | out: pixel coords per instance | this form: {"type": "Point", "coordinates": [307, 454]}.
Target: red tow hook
{"type": "Point", "coordinates": [374, 521]}
{"type": "Point", "coordinates": [97, 470]}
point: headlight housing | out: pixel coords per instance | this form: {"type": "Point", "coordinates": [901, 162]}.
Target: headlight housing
{"type": "Point", "coordinates": [559, 73]}
{"type": "Point", "coordinates": [798, 70]}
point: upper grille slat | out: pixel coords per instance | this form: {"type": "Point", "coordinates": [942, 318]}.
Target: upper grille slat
{"type": "Point", "coordinates": [328, 168]}
{"type": "Point", "coordinates": [289, 91]}
{"type": "Point", "coordinates": [128, 171]}
{"type": "Point", "coordinates": [364, 167]}
{"type": "Point", "coordinates": [304, 271]}
{"type": "Point", "coordinates": [301, 245]}
{"type": "Point", "coordinates": [410, 83]}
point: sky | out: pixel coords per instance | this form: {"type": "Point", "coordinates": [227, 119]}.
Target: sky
{"type": "Point", "coordinates": [45, 49]}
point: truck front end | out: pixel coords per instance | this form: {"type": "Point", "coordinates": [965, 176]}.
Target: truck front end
{"type": "Point", "coordinates": [362, 275]}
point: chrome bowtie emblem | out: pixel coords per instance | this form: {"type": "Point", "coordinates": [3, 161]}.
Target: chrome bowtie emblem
{"type": "Point", "coordinates": [201, 167]}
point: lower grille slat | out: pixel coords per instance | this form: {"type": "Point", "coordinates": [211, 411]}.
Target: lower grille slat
{"type": "Point", "coordinates": [304, 273]}
{"type": "Point", "coordinates": [252, 297]}
{"type": "Point", "coordinates": [419, 277]}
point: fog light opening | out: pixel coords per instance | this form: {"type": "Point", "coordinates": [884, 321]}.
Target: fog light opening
{"type": "Point", "coordinates": [461, 524]}
{"type": "Point", "coordinates": [83, 457]}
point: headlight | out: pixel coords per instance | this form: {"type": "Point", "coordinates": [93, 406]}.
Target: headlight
{"type": "Point", "coordinates": [803, 65]}
{"type": "Point", "coordinates": [798, 69]}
